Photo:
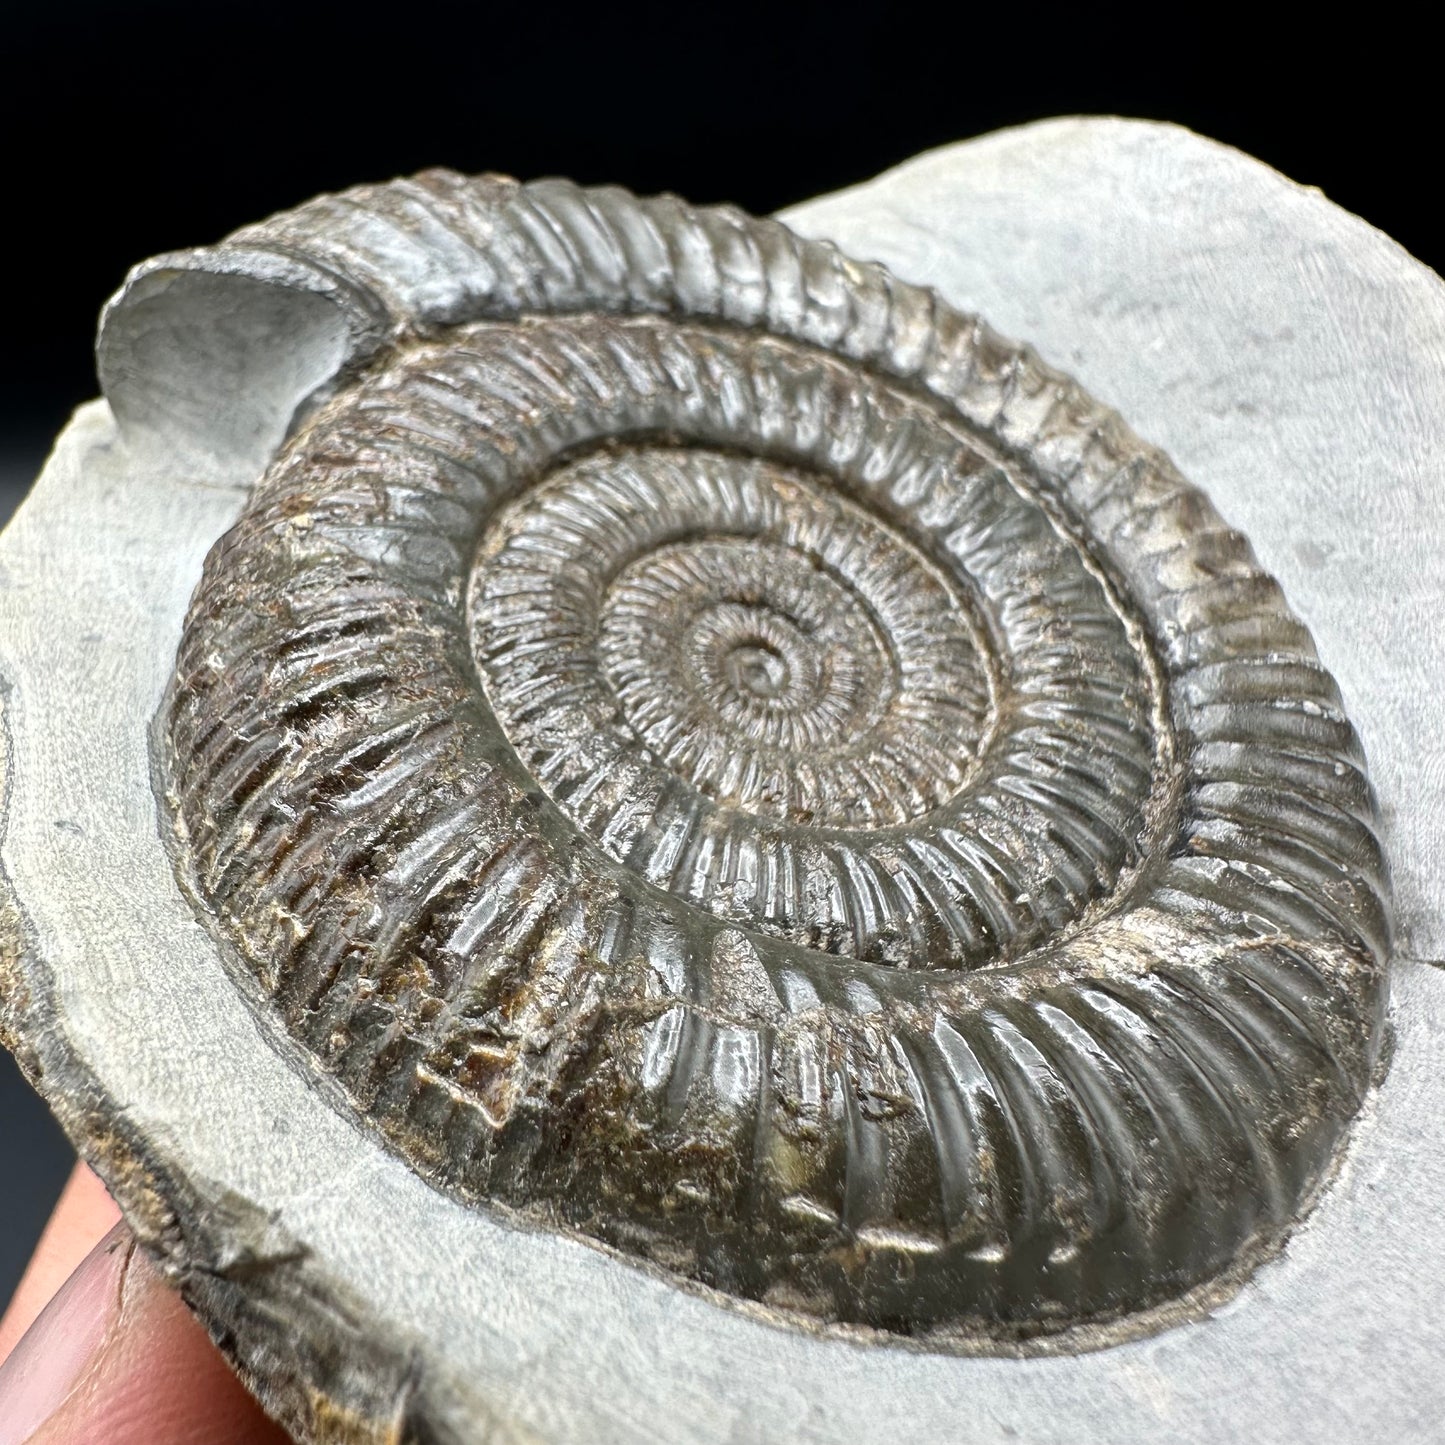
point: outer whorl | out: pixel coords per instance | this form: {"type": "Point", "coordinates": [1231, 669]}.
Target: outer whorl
{"type": "Point", "coordinates": [719, 752]}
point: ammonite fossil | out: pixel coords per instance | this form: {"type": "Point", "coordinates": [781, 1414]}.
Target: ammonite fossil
{"type": "Point", "coordinates": [718, 752]}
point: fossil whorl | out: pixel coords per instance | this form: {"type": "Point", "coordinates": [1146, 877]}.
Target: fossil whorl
{"type": "Point", "coordinates": [721, 752]}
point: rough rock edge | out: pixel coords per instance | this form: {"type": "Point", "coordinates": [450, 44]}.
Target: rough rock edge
{"type": "Point", "coordinates": [244, 1278]}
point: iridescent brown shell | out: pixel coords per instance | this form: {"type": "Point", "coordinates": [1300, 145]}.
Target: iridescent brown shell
{"type": "Point", "coordinates": [719, 752]}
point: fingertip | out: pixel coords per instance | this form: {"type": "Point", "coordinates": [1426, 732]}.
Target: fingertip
{"type": "Point", "coordinates": [83, 1215]}
{"type": "Point", "coordinates": [156, 1379]}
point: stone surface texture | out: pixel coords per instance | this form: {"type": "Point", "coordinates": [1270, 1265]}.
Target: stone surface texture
{"type": "Point", "coordinates": [1287, 357]}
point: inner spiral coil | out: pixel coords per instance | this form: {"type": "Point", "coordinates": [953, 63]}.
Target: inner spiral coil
{"type": "Point", "coordinates": [760, 637]}
{"type": "Point", "coordinates": [608, 603]}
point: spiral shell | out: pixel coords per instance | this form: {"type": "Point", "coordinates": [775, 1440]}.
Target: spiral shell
{"type": "Point", "coordinates": [721, 753]}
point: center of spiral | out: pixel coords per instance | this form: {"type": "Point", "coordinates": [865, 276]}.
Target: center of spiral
{"type": "Point", "coordinates": [757, 669]}
{"type": "Point", "coordinates": [742, 641]}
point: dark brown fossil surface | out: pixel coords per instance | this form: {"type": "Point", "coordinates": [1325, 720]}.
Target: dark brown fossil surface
{"type": "Point", "coordinates": [719, 752]}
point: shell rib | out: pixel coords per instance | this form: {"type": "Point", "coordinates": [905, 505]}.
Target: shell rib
{"type": "Point", "coordinates": [722, 753]}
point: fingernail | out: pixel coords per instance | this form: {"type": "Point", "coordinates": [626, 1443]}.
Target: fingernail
{"type": "Point", "coordinates": [50, 1360]}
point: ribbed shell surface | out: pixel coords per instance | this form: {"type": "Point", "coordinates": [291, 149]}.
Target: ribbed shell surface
{"type": "Point", "coordinates": [719, 752]}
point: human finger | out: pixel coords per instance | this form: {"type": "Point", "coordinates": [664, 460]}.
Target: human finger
{"type": "Point", "coordinates": [83, 1215]}
{"type": "Point", "coordinates": [116, 1356]}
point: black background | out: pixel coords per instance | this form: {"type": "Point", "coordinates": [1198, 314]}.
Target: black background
{"type": "Point", "coordinates": [132, 129]}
